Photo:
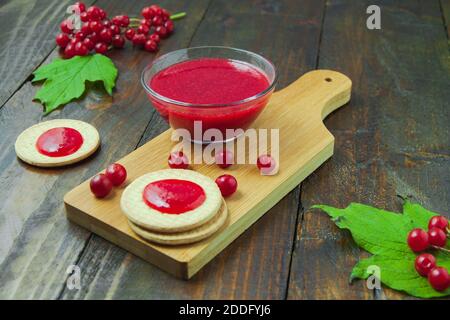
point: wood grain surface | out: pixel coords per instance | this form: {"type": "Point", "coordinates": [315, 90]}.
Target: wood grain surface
{"type": "Point", "coordinates": [393, 139]}
{"type": "Point", "coordinates": [445, 7]}
{"type": "Point", "coordinates": [28, 30]}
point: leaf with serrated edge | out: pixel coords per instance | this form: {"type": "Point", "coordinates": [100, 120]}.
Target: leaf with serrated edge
{"type": "Point", "coordinates": [65, 79]}
{"type": "Point", "coordinates": [384, 234]}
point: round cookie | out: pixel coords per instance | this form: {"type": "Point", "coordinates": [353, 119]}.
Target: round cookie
{"type": "Point", "coordinates": [190, 236]}
{"type": "Point", "coordinates": [141, 214]}
{"type": "Point", "coordinates": [27, 151]}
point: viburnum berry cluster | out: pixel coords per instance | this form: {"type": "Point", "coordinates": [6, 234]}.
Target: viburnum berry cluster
{"type": "Point", "coordinates": [420, 240]}
{"type": "Point", "coordinates": [96, 32]}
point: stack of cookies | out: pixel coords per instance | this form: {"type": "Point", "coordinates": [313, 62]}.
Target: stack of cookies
{"type": "Point", "coordinates": [174, 207]}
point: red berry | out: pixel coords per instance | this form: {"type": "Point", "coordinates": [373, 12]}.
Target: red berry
{"type": "Point", "coordinates": [116, 21]}
{"type": "Point", "coordinates": [116, 173]}
{"type": "Point", "coordinates": [84, 17]}
{"type": "Point", "coordinates": [106, 23]}
{"type": "Point", "coordinates": [101, 47]}
{"type": "Point", "coordinates": [147, 13]}
{"type": "Point", "coordinates": [437, 237]}
{"type": "Point", "coordinates": [89, 43]}
{"type": "Point", "coordinates": [227, 184]}
{"type": "Point", "coordinates": [125, 21]}
{"type": "Point", "coordinates": [178, 160]}
{"type": "Point", "coordinates": [69, 51]}
{"type": "Point", "coordinates": [157, 11]}
{"type": "Point", "coordinates": [266, 164]}
{"type": "Point", "coordinates": [85, 28]}
{"type": "Point", "coordinates": [94, 13]}
{"type": "Point", "coordinates": [418, 240]}
{"type": "Point", "coordinates": [80, 35]}
{"type": "Point", "coordinates": [66, 26]}
{"type": "Point", "coordinates": [147, 22]}
{"type": "Point", "coordinates": [151, 46]}
{"type": "Point", "coordinates": [162, 31]}
{"type": "Point", "coordinates": [62, 40]}
{"type": "Point", "coordinates": [157, 21]}
{"type": "Point", "coordinates": [264, 161]}
{"type": "Point", "coordinates": [439, 278]}
{"type": "Point", "coordinates": [114, 29]}
{"type": "Point", "coordinates": [165, 14]}
{"type": "Point", "coordinates": [121, 21]}
{"type": "Point", "coordinates": [129, 34]}
{"type": "Point", "coordinates": [118, 41]}
{"type": "Point", "coordinates": [143, 29]}
{"type": "Point", "coordinates": [139, 39]}
{"type": "Point", "coordinates": [81, 49]}
{"type": "Point", "coordinates": [95, 26]}
{"type": "Point", "coordinates": [81, 6]}
{"type": "Point", "coordinates": [94, 37]}
{"type": "Point", "coordinates": [106, 35]}
{"type": "Point", "coordinates": [224, 158]}
{"type": "Point", "coordinates": [100, 185]}
{"type": "Point", "coordinates": [438, 222]}
{"type": "Point", "coordinates": [424, 263]}
{"type": "Point", "coordinates": [169, 26]}
{"type": "Point", "coordinates": [154, 37]}
{"type": "Point", "coordinates": [102, 14]}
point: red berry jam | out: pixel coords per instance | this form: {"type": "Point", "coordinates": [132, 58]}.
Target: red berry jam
{"type": "Point", "coordinates": [216, 88]}
{"type": "Point", "coordinates": [209, 81]}
{"type": "Point", "coordinates": [173, 196]}
{"type": "Point", "coordinates": [59, 142]}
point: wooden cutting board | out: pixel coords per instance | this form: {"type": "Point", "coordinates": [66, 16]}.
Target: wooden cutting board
{"type": "Point", "coordinates": [305, 143]}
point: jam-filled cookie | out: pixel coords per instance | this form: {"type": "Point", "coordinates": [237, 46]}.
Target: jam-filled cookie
{"type": "Point", "coordinates": [57, 143]}
{"type": "Point", "coordinates": [172, 200]}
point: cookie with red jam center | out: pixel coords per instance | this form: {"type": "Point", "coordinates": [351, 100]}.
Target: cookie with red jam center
{"type": "Point", "coordinates": [171, 201]}
{"type": "Point", "coordinates": [57, 143]}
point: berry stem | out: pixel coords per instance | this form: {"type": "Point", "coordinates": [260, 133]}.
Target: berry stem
{"type": "Point", "coordinates": [175, 16]}
{"type": "Point", "coordinates": [442, 249]}
{"type": "Point", "coordinates": [178, 15]}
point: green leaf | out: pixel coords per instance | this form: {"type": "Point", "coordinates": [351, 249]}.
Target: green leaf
{"type": "Point", "coordinates": [418, 214]}
{"type": "Point", "coordinates": [65, 79]}
{"type": "Point", "coordinates": [384, 233]}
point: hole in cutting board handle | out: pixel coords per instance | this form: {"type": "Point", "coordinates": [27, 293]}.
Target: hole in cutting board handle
{"type": "Point", "coordinates": [328, 79]}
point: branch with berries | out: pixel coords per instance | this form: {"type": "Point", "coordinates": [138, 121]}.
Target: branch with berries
{"type": "Point", "coordinates": [407, 257]}
{"type": "Point", "coordinates": [86, 35]}
{"type": "Point", "coordinates": [90, 30]}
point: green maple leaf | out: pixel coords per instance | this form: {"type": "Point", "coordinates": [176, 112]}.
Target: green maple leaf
{"type": "Point", "coordinates": [383, 234]}
{"type": "Point", "coordinates": [65, 80]}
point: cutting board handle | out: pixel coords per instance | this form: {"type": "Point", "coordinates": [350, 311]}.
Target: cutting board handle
{"type": "Point", "coordinates": [317, 92]}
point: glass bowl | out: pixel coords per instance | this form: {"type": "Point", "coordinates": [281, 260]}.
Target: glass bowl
{"type": "Point", "coordinates": [226, 118]}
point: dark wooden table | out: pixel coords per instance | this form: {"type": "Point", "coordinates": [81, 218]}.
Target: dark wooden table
{"type": "Point", "coordinates": [392, 139]}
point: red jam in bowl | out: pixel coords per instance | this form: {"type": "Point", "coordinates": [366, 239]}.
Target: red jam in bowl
{"type": "Point", "coordinates": [59, 142]}
{"type": "Point", "coordinates": [173, 196]}
{"type": "Point", "coordinates": [211, 90]}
